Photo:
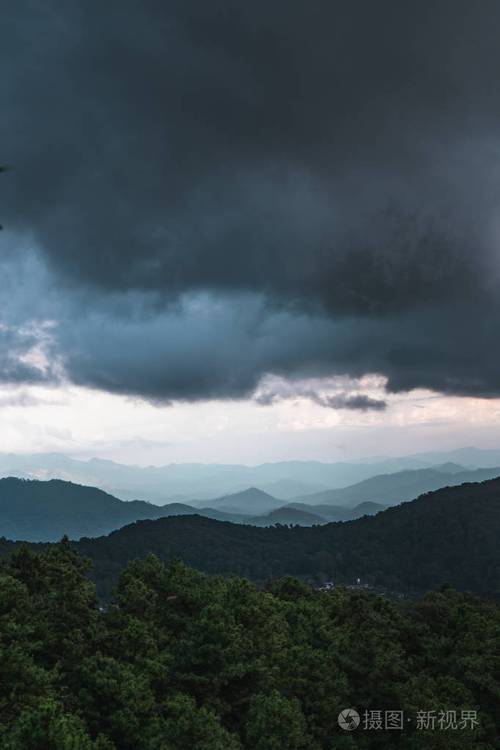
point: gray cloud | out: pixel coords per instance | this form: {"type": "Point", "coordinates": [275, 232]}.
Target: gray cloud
{"type": "Point", "coordinates": [221, 191]}
{"type": "Point", "coordinates": [221, 345]}
{"type": "Point", "coordinates": [19, 360]}
{"type": "Point", "coordinates": [358, 401]}
{"type": "Point", "coordinates": [23, 399]}
{"type": "Point", "coordinates": [341, 399]}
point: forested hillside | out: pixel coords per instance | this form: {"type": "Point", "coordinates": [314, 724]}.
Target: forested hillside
{"type": "Point", "coordinates": [182, 660]}
{"type": "Point", "coordinates": [448, 536]}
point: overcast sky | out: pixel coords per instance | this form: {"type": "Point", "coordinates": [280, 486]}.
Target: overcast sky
{"type": "Point", "coordinates": [249, 231]}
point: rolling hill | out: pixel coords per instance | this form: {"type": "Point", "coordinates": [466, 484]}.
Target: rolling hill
{"type": "Point", "coordinates": [447, 536]}
{"type": "Point", "coordinates": [44, 511]}
{"type": "Point", "coordinates": [392, 489]}
{"type": "Point", "coordinates": [38, 511]}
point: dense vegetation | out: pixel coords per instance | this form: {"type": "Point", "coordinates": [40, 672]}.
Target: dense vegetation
{"type": "Point", "coordinates": [182, 660]}
{"type": "Point", "coordinates": [448, 536]}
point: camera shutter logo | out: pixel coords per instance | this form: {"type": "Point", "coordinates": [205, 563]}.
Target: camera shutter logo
{"type": "Point", "coordinates": [348, 719]}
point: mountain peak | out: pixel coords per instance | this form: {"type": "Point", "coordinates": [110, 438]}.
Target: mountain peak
{"type": "Point", "coordinates": [251, 501]}
{"type": "Point", "coordinates": [252, 491]}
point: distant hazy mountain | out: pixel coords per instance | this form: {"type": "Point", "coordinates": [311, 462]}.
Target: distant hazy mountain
{"type": "Point", "coordinates": [252, 507]}
{"type": "Point", "coordinates": [452, 468]}
{"type": "Point", "coordinates": [338, 513]}
{"type": "Point", "coordinates": [392, 489]}
{"type": "Point", "coordinates": [325, 511]}
{"type": "Point", "coordinates": [251, 501]}
{"type": "Point", "coordinates": [185, 483]}
{"type": "Point", "coordinates": [44, 511]}
{"type": "Point", "coordinates": [304, 515]}
{"type": "Point", "coordinates": [181, 509]}
{"type": "Point", "coordinates": [39, 511]}
{"type": "Point", "coordinates": [479, 458]}
{"type": "Point", "coordinates": [283, 489]}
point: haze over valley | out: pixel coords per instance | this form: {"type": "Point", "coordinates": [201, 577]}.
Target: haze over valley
{"type": "Point", "coordinates": [45, 510]}
{"type": "Point", "coordinates": [290, 480]}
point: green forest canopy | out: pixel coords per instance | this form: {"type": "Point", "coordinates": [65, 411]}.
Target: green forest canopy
{"type": "Point", "coordinates": [184, 660]}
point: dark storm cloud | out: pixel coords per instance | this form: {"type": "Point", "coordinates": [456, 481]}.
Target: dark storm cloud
{"type": "Point", "coordinates": [329, 172]}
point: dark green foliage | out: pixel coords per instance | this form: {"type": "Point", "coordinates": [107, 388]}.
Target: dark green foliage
{"type": "Point", "coordinates": [449, 536]}
{"type": "Point", "coordinates": [184, 661]}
